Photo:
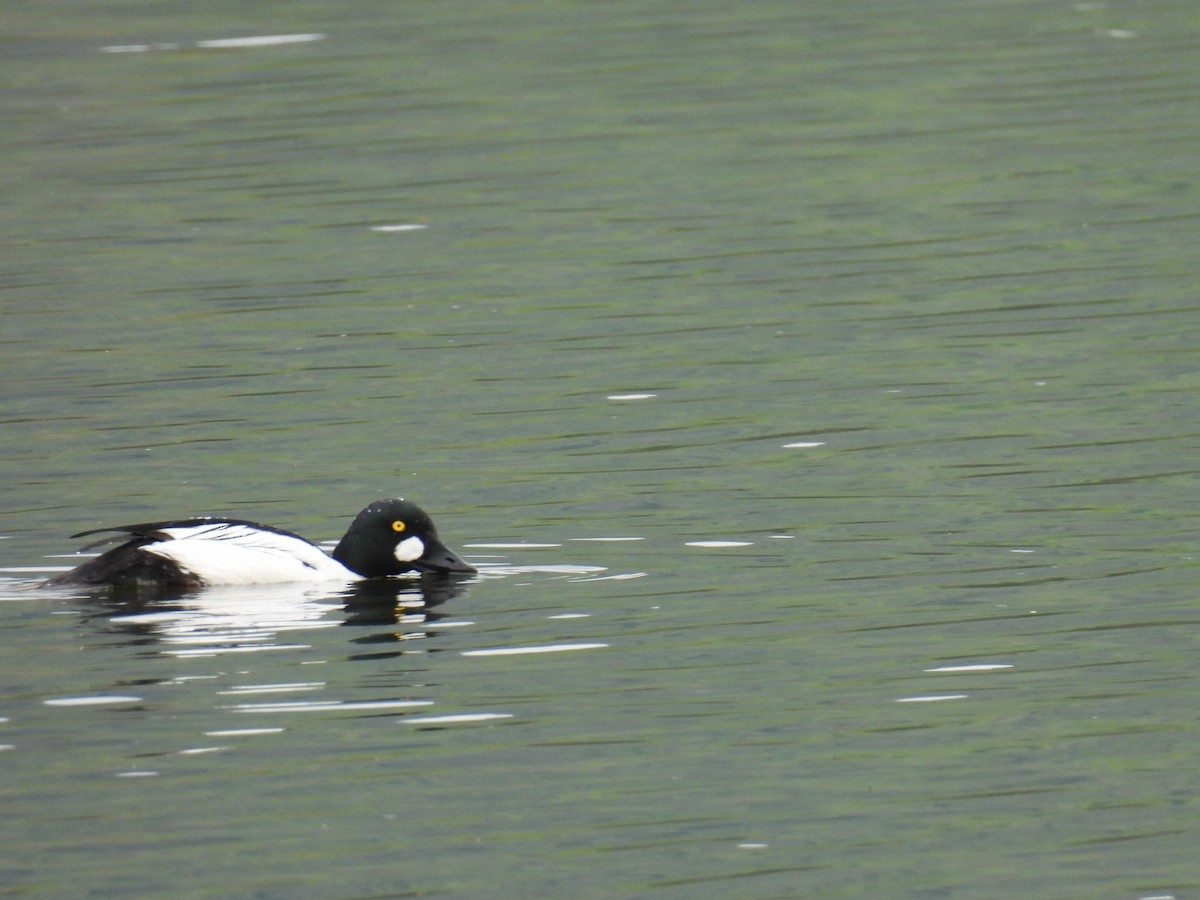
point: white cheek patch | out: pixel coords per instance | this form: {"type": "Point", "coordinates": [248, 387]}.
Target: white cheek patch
{"type": "Point", "coordinates": [409, 549]}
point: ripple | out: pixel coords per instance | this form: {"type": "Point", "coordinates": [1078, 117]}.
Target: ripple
{"type": "Point", "coordinates": [259, 40]}
{"type": "Point", "coordinates": [95, 700]}
{"type": "Point", "coordinates": [236, 43]}
{"type": "Point", "coordinates": [455, 719]}
{"type": "Point", "coordinates": [329, 705]}
{"type": "Point", "coordinates": [517, 545]}
{"type": "Point", "coordinates": [275, 688]}
{"type": "Point", "coordinates": [560, 569]}
{"type": "Point", "coordinates": [932, 698]}
{"type": "Point", "coordinates": [608, 539]}
{"type": "Point", "coordinates": [218, 651]}
{"type": "Point", "coordinates": [543, 648]}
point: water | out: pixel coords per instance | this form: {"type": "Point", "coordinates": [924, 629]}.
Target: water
{"type": "Point", "coordinates": [869, 330]}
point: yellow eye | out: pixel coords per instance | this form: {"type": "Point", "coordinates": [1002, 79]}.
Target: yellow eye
{"type": "Point", "coordinates": [398, 526]}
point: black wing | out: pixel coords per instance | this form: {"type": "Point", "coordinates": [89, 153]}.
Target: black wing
{"type": "Point", "coordinates": [125, 564]}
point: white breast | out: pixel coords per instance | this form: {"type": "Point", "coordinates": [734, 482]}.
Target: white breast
{"type": "Point", "coordinates": [224, 553]}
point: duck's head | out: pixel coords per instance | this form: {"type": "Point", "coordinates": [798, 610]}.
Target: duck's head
{"type": "Point", "coordinates": [391, 537]}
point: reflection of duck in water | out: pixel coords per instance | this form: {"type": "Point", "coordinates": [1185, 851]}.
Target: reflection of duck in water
{"type": "Point", "coordinates": [387, 601]}
{"type": "Point", "coordinates": [389, 537]}
{"type": "Point", "coordinates": [199, 619]}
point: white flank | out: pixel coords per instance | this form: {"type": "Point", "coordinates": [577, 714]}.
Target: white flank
{"type": "Point", "coordinates": [222, 553]}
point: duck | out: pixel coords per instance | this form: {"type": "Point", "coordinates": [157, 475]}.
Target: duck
{"type": "Point", "coordinates": [388, 537]}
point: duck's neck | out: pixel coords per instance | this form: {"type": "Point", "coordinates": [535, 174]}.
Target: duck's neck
{"type": "Point", "coordinates": [360, 560]}
{"type": "Point", "coordinates": [343, 554]}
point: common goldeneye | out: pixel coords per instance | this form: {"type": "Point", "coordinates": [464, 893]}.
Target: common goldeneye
{"type": "Point", "coordinates": [389, 537]}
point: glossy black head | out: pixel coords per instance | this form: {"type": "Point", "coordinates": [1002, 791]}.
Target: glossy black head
{"type": "Point", "coordinates": [391, 537]}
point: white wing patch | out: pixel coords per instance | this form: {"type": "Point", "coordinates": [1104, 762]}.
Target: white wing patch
{"type": "Point", "coordinates": [227, 553]}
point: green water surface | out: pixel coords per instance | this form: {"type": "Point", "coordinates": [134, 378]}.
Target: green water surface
{"type": "Point", "coordinates": [895, 302]}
